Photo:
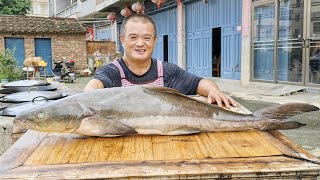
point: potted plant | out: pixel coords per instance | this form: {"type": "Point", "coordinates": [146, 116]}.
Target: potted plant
{"type": "Point", "coordinates": [9, 69]}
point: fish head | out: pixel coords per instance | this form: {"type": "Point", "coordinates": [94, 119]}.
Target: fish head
{"type": "Point", "coordinates": [53, 117]}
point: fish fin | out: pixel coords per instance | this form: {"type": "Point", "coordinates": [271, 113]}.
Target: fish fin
{"type": "Point", "coordinates": [163, 89]}
{"type": "Point", "coordinates": [283, 125]}
{"type": "Point", "coordinates": [184, 132]}
{"type": "Point", "coordinates": [285, 111]}
{"type": "Point", "coordinates": [106, 127]}
{"type": "Point", "coordinates": [176, 92]}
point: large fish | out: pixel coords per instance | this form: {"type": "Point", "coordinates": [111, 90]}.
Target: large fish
{"type": "Point", "coordinates": [150, 110]}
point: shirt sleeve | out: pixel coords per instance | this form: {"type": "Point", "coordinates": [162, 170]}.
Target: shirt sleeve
{"type": "Point", "coordinates": [181, 80]}
{"type": "Point", "coordinates": [109, 76]}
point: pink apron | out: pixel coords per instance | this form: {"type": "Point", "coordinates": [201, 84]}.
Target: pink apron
{"type": "Point", "coordinates": [157, 82]}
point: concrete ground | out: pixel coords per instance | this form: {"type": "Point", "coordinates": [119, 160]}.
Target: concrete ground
{"type": "Point", "coordinates": [252, 97]}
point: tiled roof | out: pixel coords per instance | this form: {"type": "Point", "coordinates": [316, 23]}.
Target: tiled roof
{"type": "Point", "coordinates": [30, 24]}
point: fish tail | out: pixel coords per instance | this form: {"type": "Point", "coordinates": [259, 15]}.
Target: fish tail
{"type": "Point", "coordinates": [281, 113]}
{"type": "Point", "coordinates": [282, 125]}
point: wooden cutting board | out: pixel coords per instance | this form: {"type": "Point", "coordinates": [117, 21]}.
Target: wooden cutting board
{"type": "Point", "coordinates": [245, 154]}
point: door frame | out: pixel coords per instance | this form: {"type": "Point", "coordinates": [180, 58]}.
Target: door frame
{"type": "Point", "coordinates": [308, 44]}
{"type": "Point", "coordinates": [275, 52]}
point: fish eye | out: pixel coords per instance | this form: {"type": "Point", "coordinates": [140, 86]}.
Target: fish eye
{"type": "Point", "coordinates": [40, 115]}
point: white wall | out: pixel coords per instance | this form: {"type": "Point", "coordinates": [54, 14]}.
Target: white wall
{"type": "Point", "coordinates": [40, 8]}
{"type": "Point", "coordinates": [62, 4]}
{"type": "Point", "coordinates": [87, 7]}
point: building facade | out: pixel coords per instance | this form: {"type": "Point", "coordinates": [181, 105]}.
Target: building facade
{"type": "Point", "coordinates": [203, 37]}
{"type": "Point", "coordinates": [39, 8]}
{"type": "Point", "coordinates": [285, 42]}
{"type": "Point", "coordinates": [50, 38]}
{"type": "Point", "coordinates": [98, 27]}
{"type": "Point", "coordinates": [268, 41]}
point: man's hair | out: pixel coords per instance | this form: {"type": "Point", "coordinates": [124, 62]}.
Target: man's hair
{"type": "Point", "coordinates": [138, 18]}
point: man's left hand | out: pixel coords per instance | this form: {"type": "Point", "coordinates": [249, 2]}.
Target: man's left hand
{"type": "Point", "coordinates": [210, 89]}
{"type": "Point", "coordinates": [220, 98]}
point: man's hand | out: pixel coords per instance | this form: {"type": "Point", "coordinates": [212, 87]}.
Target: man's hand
{"type": "Point", "coordinates": [211, 90]}
{"type": "Point", "coordinates": [220, 98]}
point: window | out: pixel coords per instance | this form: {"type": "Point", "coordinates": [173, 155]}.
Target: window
{"type": "Point", "coordinates": [316, 27]}
{"type": "Point", "coordinates": [297, 17]}
{"type": "Point", "coordinates": [298, 3]}
{"type": "Point", "coordinates": [43, 8]}
{"type": "Point", "coordinates": [296, 32]}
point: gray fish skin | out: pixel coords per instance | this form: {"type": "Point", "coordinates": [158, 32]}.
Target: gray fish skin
{"type": "Point", "coordinates": [150, 110]}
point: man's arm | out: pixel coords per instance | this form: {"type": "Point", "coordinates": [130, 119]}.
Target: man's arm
{"type": "Point", "coordinates": [93, 84]}
{"type": "Point", "coordinates": [210, 89]}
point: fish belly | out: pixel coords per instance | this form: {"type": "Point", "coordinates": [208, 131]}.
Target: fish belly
{"type": "Point", "coordinates": [167, 125]}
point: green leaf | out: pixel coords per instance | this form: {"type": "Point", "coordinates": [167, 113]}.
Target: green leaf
{"type": "Point", "coordinates": [15, 7]}
{"type": "Point", "coordinates": [9, 68]}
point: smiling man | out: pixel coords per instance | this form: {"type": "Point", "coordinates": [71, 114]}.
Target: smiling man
{"type": "Point", "coordinates": [138, 36]}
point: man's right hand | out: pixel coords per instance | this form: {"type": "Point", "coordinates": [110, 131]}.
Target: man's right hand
{"type": "Point", "coordinates": [93, 84]}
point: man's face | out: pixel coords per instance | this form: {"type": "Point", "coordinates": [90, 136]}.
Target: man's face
{"type": "Point", "coordinates": [138, 41]}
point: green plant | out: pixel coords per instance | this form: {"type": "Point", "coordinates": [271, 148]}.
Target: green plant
{"type": "Point", "coordinates": [15, 7]}
{"type": "Point", "coordinates": [8, 66]}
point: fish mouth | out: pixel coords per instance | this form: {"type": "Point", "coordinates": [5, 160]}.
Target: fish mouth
{"type": "Point", "coordinates": [24, 123]}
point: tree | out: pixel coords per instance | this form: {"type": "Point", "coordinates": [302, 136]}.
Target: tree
{"type": "Point", "coordinates": [15, 7]}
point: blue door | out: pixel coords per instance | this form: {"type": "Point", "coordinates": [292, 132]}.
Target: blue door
{"type": "Point", "coordinates": [231, 53]}
{"type": "Point", "coordinates": [198, 50]}
{"type": "Point", "coordinates": [17, 46]}
{"type": "Point", "coordinates": [43, 50]}
{"type": "Point", "coordinates": [200, 19]}
{"type": "Point", "coordinates": [166, 23]}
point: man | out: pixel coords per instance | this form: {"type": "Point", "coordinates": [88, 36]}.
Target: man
{"type": "Point", "coordinates": [138, 35]}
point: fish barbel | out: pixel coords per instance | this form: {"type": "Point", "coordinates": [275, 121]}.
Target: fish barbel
{"type": "Point", "coordinates": [150, 110]}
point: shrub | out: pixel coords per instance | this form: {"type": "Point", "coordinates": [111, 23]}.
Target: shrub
{"type": "Point", "coordinates": [8, 66]}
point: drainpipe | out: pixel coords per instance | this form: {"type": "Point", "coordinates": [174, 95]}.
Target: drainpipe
{"type": "Point", "coordinates": [181, 28]}
{"type": "Point", "coordinates": [246, 43]}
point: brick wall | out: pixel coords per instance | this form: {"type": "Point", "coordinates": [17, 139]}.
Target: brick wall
{"type": "Point", "coordinates": [71, 46]}
{"type": "Point", "coordinates": [106, 47]}
{"type": "Point", "coordinates": [2, 45]}
{"type": "Point", "coordinates": [29, 45]}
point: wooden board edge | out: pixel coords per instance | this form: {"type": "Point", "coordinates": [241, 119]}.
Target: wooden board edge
{"type": "Point", "coordinates": [213, 168]}
{"type": "Point", "coordinates": [19, 152]}
{"type": "Point", "coordinates": [288, 147]}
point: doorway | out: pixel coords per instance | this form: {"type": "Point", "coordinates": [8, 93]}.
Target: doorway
{"type": "Point", "coordinates": [216, 52]}
{"type": "Point", "coordinates": [313, 43]}
{"type": "Point", "coordinates": [165, 48]}
{"type": "Point", "coordinates": [17, 46]}
{"type": "Point", "coordinates": [43, 49]}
